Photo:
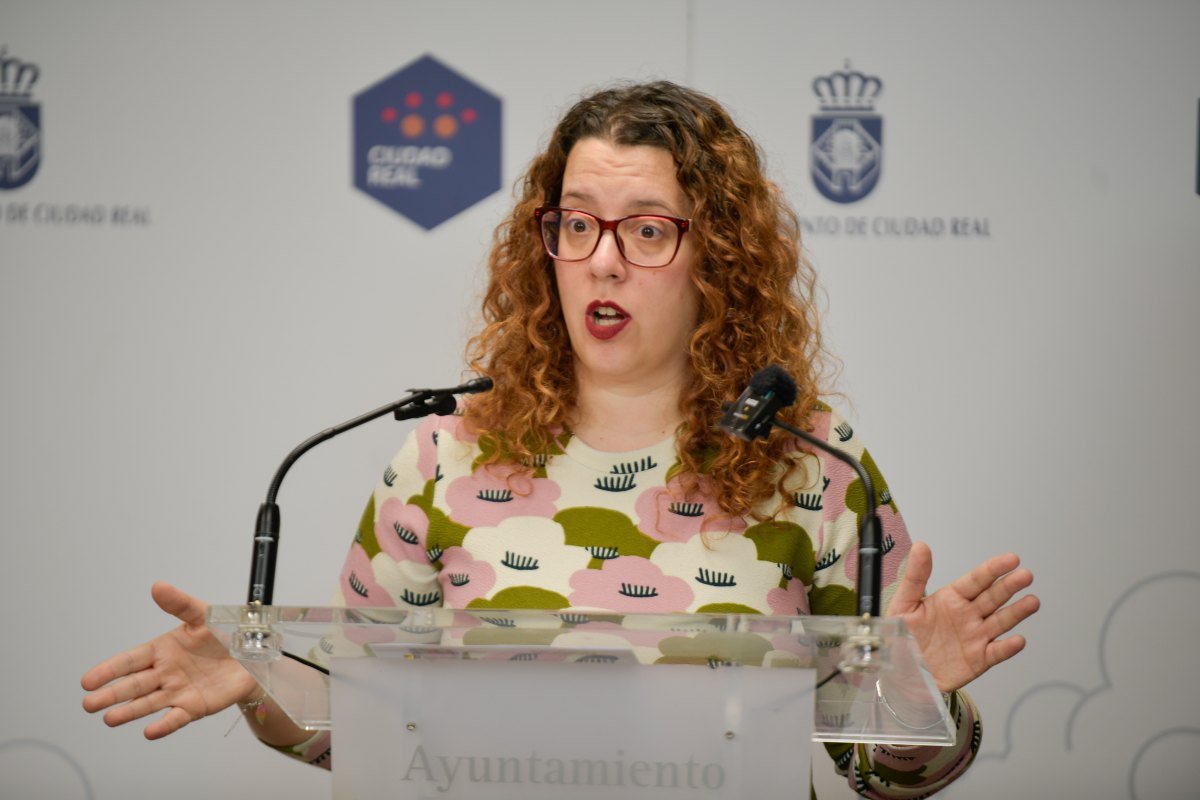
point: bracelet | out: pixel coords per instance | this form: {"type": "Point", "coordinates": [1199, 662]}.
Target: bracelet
{"type": "Point", "coordinates": [258, 706]}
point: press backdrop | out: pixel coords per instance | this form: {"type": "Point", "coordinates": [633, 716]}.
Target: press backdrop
{"type": "Point", "coordinates": [191, 283]}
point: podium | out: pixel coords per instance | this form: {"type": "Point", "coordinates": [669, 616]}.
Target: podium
{"type": "Point", "coordinates": [493, 704]}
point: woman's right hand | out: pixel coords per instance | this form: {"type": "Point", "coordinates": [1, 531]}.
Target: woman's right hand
{"type": "Point", "coordinates": [187, 671]}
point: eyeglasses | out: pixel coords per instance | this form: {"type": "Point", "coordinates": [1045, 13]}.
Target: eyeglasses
{"type": "Point", "coordinates": [644, 240]}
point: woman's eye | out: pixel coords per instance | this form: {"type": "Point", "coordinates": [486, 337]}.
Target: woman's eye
{"type": "Point", "coordinates": [649, 231]}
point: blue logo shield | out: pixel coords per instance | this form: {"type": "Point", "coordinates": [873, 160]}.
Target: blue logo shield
{"type": "Point", "coordinates": [846, 153]}
{"type": "Point", "coordinates": [427, 142]}
{"type": "Point", "coordinates": [846, 149]}
{"type": "Point", "coordinates": [20, 123]}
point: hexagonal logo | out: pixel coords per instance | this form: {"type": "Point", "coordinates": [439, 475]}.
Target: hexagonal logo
{"type": "Point", "coordinates": [427, 142]}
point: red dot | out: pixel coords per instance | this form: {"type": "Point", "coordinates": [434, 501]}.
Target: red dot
{"type": "Point", "coordinates": [469, 115]}
{"type": "Point", "coordinates": [413, 99]}
{"type": "Point", "coordinates": [389, 114]}
{"type": "Point", "coordinates": [445, 99]}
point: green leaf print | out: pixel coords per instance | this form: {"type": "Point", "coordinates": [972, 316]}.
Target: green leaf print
{"type": "Point", "coordinates": [524, 636]}
{"type": "Point", "coordinates": [856, 498]}
{"type": "Point", "coordinates": [785, 543]}
{"type": "Point", "coordinates": [727, 608]}
{"type": "Point", "coordinates": [740, 648]}
{"type": "Point", "coordinates": [444, 532]}
{"type": "Point", "coordinates": [832, 600]}
{"type": "Point", "coordinates": [490, 445]}
{"type": "Point", "coordinates": [366, 529]}
{"type": "Point", "coordinates": [603, 529]}
{"type": "Point", "coordinates": [522, 597]}
{"type": "Point", "coordinates": [899, 777]}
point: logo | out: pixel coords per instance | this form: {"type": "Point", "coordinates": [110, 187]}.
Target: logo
{"type": "Point", "coordinates": [427, 142]}
{"type": "Point", "coordinates": [846, 152]}
{"type": "Point", "coordinates": [20, 122]}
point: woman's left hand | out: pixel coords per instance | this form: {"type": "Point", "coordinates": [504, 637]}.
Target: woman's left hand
{"type": "Point", "coordinates": [958, 627]}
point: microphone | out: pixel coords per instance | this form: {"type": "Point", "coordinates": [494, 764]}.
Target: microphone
{"type": "Point", "coordinates": [752, 417]}
{"type": "Point", "coordinates": [420, 403]}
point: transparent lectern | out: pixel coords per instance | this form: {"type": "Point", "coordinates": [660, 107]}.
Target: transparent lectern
{"type": "Point", "coordinates": [542, 704]}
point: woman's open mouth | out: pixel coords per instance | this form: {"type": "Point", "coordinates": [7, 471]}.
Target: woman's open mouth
{"type": "Point", "coordinates": [606, 319]}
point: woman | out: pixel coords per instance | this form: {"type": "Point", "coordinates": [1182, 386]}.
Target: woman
{"type": "Point", "coordinates": [648, 269]}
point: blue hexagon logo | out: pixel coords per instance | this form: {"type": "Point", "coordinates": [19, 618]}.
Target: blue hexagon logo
{"type": "Point", "coordinates": [427, 142]}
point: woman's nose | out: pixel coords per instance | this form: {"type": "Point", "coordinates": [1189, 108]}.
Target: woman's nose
{"type": "Point", "coordinates": [606, 260]}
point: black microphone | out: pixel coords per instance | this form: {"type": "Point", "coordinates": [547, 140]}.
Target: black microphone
{"type": "Point", "coordinates": [420, 403]}
{"type": "Point", "coordinates": [752, 417]}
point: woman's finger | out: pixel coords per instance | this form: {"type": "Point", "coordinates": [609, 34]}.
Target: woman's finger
{"type": "Point", "coordinates": [124, 690]}
{"type": "Point", "coordinates": [981, 578]}
{"type": "Point", "coordinates": [912, 586]}
{"type": "Point", "coordinates": [136, 708]}
{"type": "Point", "coordinates": [1003, 649]}
{"type": "Point", "coordinates": [1009, 617]}
{"type": "Point", "coordinates": [168, 723]}
{"type": "Point", "coordinates": [179, 604]}
{"type": "Point", "coordinates": [120, 665]}
{"type": "Point", "coordinates": [1003, 590]}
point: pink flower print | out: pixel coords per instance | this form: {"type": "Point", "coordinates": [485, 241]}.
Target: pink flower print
{"type": "Point", "coordinates": [456, 427]}
{"type": "Point", "coordinates": [358, 584]}
{"type": "Point", "coordinates": [669, 515]}
{"type": "Point", "coordinates": [400, 530]}
{"type": "Point", "coordinates": [629, 584]}
{"type": "Point", "coordinates": [792, 600]}
{"type": "Point", "coordinates": [839, 476]}
{"type": "Point", "coordinates": [427, 452]}
{"type": "Point", "coordinates": [896, 544]}
{"type": "Point", "coordinates": [463, 578]}
{"type": "Point", "coordinates": [820, 421]}
{"type": "Point", "coordinates": [429, 432]}
{"type": "Point", "coordinates": [485, 497]}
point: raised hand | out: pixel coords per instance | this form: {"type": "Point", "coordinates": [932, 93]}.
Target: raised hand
{"type": "Point", "coordinates": [958, 627]}
{"type": "Point", "coordinates": [187, 671]}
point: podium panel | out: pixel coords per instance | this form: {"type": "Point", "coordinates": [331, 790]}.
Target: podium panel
{"type": "Point", "coordinates": [542, 724]}
{"type": "Point", "coordinates": [529, 704]}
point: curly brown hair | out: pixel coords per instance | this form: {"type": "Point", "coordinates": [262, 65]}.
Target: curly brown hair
{"type": "Point", "coordinates": [756, 296]}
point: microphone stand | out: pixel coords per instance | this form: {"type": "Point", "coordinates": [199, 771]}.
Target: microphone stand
{"type": "Point", "coordinates": [859, 651]}
{"type": "Point", "coordinates": [870, 537]}
{"type": "Point", "coordinates": [255, 639]}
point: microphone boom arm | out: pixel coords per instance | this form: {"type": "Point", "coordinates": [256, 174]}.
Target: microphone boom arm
{"type": "Point", "coordinates": [870, 538]}
{"type": "Point", "coordinates": [421, 403]}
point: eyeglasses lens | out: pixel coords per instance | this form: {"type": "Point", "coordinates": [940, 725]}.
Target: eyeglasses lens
{"type": "Point", "coordinates": [646, 241]}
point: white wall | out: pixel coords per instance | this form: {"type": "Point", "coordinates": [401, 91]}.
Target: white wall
{"type": "Point", "coordinates": [1033, 390]}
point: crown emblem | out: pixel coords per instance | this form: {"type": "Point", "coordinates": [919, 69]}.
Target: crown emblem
{"type": "Point", "coordinates": [17, 77]}
{"type": "Point", "coordinates": [847, 90]}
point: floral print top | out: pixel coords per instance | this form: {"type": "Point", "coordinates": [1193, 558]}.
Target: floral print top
{"type": "Point", "coordinates": [598, 531]}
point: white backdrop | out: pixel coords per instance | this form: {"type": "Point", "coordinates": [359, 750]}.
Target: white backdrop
{"type": "Point", "coordinates": [1032, 390]}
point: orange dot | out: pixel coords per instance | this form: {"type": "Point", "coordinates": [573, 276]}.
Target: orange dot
{"type": "Point", "coordinates": [445, 99]}
{"type": "Point", "coordinates": [469, 115]}
{"type": "Point", "coordinates": [389, 114]}
{"type": "Point", "coordinates": [445, 126]}
{"type": "Point", "coordinates": [412, 126]}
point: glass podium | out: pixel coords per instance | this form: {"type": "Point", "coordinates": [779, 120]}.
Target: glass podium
{"type": "Point", "coordinates": [530, 703]}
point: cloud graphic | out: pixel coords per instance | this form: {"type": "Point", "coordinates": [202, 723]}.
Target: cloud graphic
{"type": "Point", "coordinates": [1135, 734]}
